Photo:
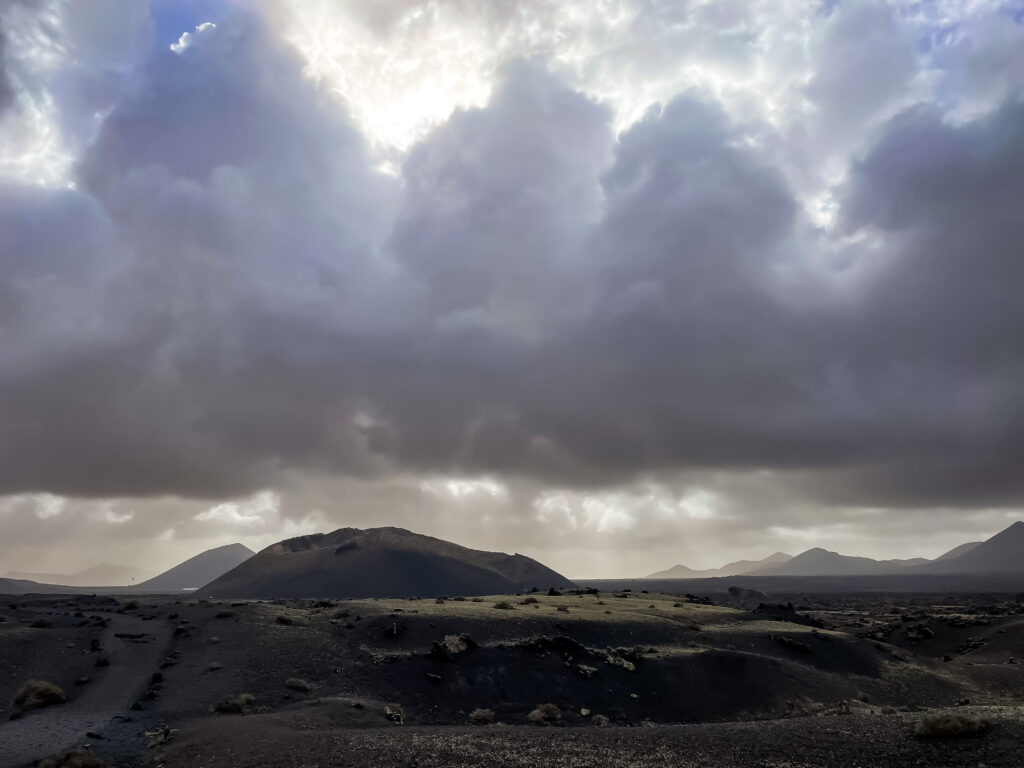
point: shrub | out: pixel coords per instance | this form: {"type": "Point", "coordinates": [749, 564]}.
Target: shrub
{"type": "Point", "coordinates": [131, 605]}
{"type": "Point", "coordinates": [545, 714]}
{"type": "Point", "coordinates": [529, 601]}
{"type": "Point", "coordinates": [298, 684]}
{"type": "Point", "coordinates": [481, 716]}
{"type": "Point", "coordinates": [224, 615]}
{"type": "Point", "coordinates": [563, 609]}
{"type": "Point", "coordinates": [215, 666]}
{"type": "Point", "coordinates": [476, 600]}
{"type": "Point", "coordinates": [284, 620]}
{"type": "Point", "coordinates": [75, 759]}
{"type": "Point", "coordinates": [600, 721]}
{"type": "Point", "coordinates": [504, 605]}
{"type": "Point", "coordinates": [41, 624]}
{"type": "Point", "coordinates": [235, 705]}
{"type": "Point", "coordinates": [38, 693]}
{"type": "Point", "coordinates": [949, 725]}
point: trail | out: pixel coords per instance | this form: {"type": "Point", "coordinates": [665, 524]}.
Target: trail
{"type": "Point", "coordinates": [43, 732]}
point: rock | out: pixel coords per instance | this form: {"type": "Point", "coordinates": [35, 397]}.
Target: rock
{"type": "Point", "coordinates": [435, 679]}
{"type": "Point", "coordinates": [83, 680]}
{"type": "Point", "coordinates": [584, 712]}
{"type": "Point", "coordinates": [136, 707]}
{"type": "Point", "coordinates": [93, 735]}
{"type": "Point", "coordinates": [585, 671]}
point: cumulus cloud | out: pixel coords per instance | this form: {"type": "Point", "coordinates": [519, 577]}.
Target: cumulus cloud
{"type": "Point", "coordinates": [745, 300]}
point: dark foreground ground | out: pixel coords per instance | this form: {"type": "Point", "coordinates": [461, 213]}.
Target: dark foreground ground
{"type": "Point", "coordinates": [636, 679]}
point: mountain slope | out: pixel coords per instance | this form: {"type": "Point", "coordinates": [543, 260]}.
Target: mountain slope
{"type": "Point", "coordinates": [378, 562]}
{"type": "Point", "coordinates": [199, 570]}
{"type": "Point", "coordinates": [1002, 553]}
{"type": "Point", "coordinates": [963, 549]}
{"type": "Point", "coordinates": [735, 568]}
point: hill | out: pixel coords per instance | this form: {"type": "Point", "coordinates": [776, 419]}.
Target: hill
{"type": "Point", "coordinates": [379, 562]}
{"type": "Point", "coordinates": [199, 570]}
{"type": "Point", "coordinates": [735, 568]}
{"type": "Point", "coordinates": [1002, 553]}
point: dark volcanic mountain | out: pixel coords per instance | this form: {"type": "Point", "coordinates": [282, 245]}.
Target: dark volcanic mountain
{"type": "Point", "coordinates": [1003, 553]}
{"type": "Point", "coordinates": [379, 562]}
{"type": "Point", "coordinates": [199, 570]}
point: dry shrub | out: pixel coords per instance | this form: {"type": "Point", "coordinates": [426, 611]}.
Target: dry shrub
{"type": "Point", "coordinates": [481, 716]}
{"type": "Point", "coordinates": [529, 601]}
{"type": "Point", "coordinates": [504, 605]}
{"type": "Point", "coordinates": [949, 725]}
{"type": "Point", "coordinates": [41, 624]}
{"type": "Point", "coordinates": [235, 705]}
{"type": "Point", "coordinates": [76, 759]}
{"type": "Point", "coordinates": [38, 693]}
{"type": "Point", "coordinates": [298, 684]}
{"type": "Point", "coordinates": [284, 621]}
{"type": "Point", "coordinates": [600, 721]}
{"type": "Point", "coordinates": [563, 609]}
{"type": "Point", "coordinates": [545, 714]}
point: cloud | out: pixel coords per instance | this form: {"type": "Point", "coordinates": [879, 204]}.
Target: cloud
{"type": "Point", "coordinates": [560, 307]}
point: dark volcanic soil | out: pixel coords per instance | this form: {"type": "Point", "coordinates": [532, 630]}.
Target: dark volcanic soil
{"type": "Point", "coordinates": [837, 680]}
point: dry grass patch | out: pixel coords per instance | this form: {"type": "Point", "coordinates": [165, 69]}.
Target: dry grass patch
{"type": "Point", "coordinates": [298, 684]}
{"type": "Point", "coordinates": [36, 694]}
{"type": "Point", "coordinates": [235, 705]}
{"type": "Point", "coordinates": [545, 714]}
{"type": "Point", "coordinates": [949, 725]}
{"type": "Point", "coordinates": [481, 716]}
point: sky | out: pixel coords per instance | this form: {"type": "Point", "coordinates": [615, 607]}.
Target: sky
{"type": "Point", "coordinates": [616, 284]}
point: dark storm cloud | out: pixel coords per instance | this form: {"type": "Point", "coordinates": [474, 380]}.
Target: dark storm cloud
{"type": "Point", "coordinates": [6, 88]}
{"type": "Point", "coordinates": [234, 293]}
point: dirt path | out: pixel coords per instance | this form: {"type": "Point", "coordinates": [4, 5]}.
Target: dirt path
{"type": "Point", "coordinates": [112, 692]}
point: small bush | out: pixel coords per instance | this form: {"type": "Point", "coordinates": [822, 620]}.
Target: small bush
{"type": "Point", "coordinates": [41, 624]}
{"type": "Point", "coordinates": [75, 759]}
{"type": "Point", "coordinates": [476, 600]}
{"type": "Point", "coordinates": [949, 725]}
{"type": "Point", "coordinates": [504, 605]}
{"type": "Point", "coordinates": [215, 666]}
{"type": "Point", "coordinates": [545, 714]}
{"type": "Point", "coordinates": [235, 705]}
{"type": "Point", "coordinates": [600, 721]}
{"type": "Point", "coordinates": [563, 609]}
{"type": "Point", "coordinates": [131, 605]}
{"type": "Point", "coordinates": [284, 621]}
{"type": "Point", "coordinates": [298, 684]}
{"type": "Point", "coordinates": [481, 716]}
{"type": "Point", "coordinates": [529, 601]}
{"type": "Point", "coordinates": [36, 694]}
{"type": "Point", "coordinates": [224, 614]}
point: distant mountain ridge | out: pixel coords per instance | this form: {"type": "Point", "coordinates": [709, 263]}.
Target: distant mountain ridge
{"type": "Point", "coordinates": [1001, 553]}
{"type": "Point", "coordinates": [102, 575]}
{"type": "Point", "coordinates": [735, 568]}
{"type": "Point", "coordinates": [379, 562]}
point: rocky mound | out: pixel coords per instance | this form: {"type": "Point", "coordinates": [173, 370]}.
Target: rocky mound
{"type": "Point", "coordinates": [378, 562]}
